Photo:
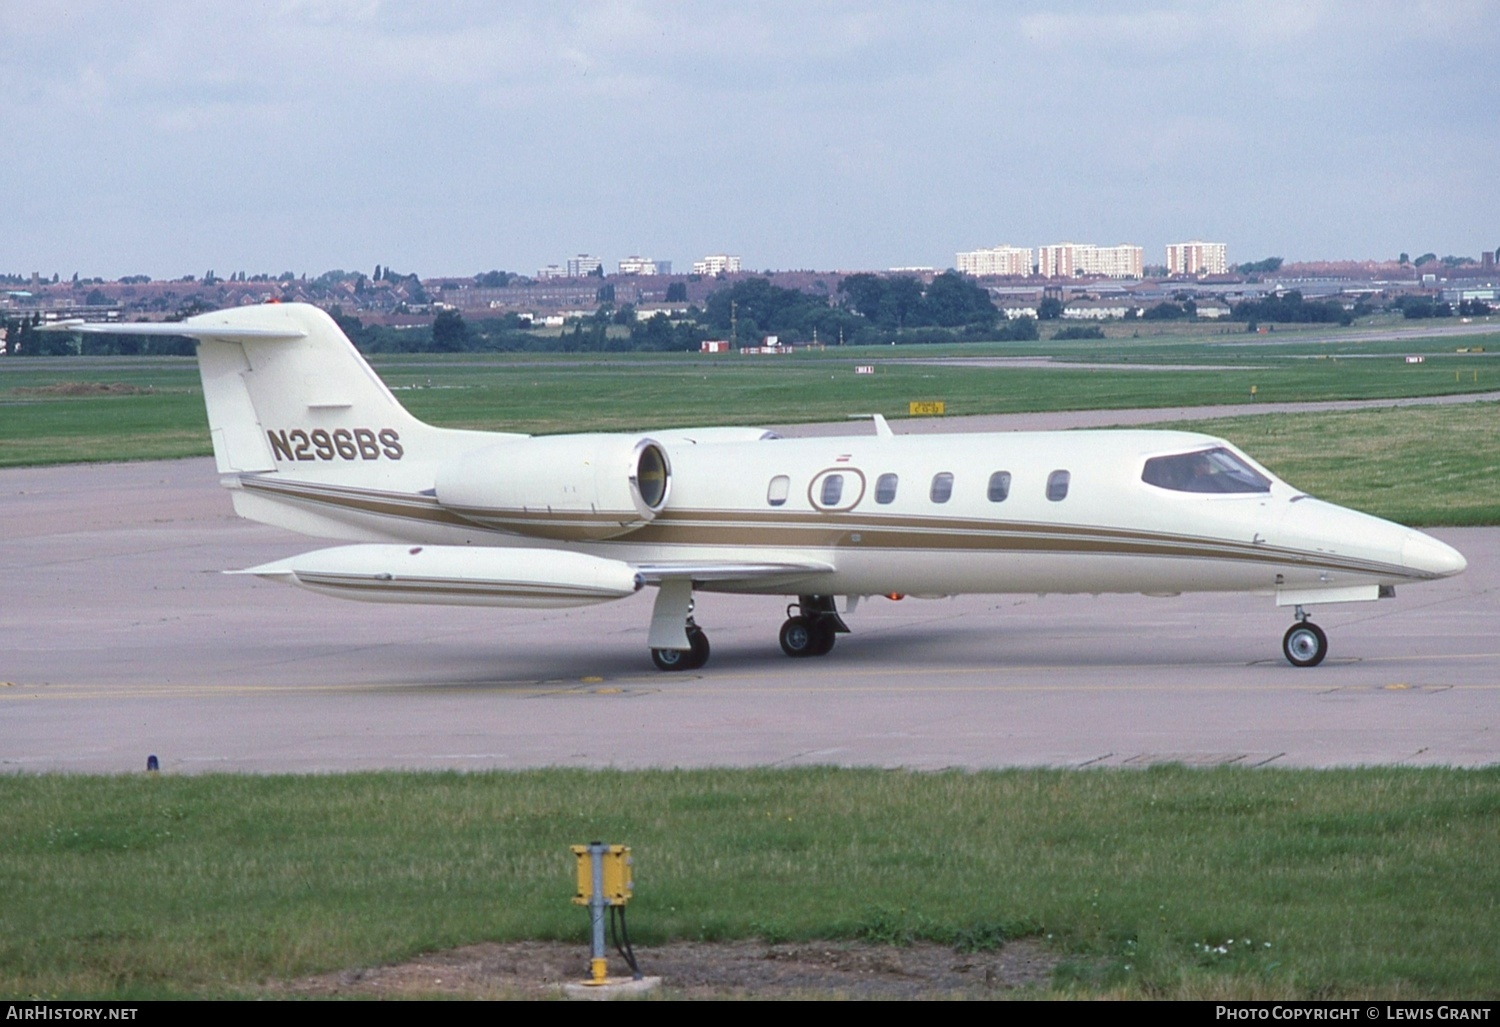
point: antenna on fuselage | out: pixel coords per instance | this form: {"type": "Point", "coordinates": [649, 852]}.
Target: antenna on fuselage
{"type": "Point", "coordinates": [882, 430]}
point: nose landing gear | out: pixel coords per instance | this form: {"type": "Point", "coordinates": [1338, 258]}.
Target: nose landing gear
{"type": "Point", "coordinates": [1304, 643]}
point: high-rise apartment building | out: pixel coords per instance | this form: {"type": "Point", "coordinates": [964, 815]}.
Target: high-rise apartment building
{"type": "Point", "coordinates": [1060, 260]}
{"type": "Point", "coordinates": [1069, 259]}
{"type": "Point", "coordinates": [716, 263]}
{"type": "Point", "coordinates": [1197, 258]}
{"type": "Point", "coordinates": [999, 260]}
{"type": "Point", "coordinates": [645, 266]}
{"type": "Point", "coordinates": [584, 265]}
{"type": "Point", "coordinates": [1123, 261]}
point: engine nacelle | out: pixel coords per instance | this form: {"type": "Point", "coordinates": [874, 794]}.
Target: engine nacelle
{"type": "Point", "coordinates": [574, 487]}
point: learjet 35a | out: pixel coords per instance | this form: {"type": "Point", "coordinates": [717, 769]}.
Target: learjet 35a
{"type": "Point", "coordinates": [307, 437]}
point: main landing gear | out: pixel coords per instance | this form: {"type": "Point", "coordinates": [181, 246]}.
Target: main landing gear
{"type": "Point", "coordinates": [677, 643]}
{"type": "Point", "coordinates": [812, 631]}
{"type": "Point", "coordinates": [1304, 643]}
{"type": "Point", "coordinates": [684, 659]}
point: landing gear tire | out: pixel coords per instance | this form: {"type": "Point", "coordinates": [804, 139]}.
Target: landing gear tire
{"type": "Point", "coordinates": [1304, 644]}
{"type": "Point", "coordinates": [824, 641]}
{"type": "Point", "coordinates": [806, 636]}
{"type": "Point", "coordinates": [684, 659]}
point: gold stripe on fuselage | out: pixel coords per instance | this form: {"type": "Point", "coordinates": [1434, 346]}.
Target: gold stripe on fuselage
{"type": "Point", "coordinates": [759, 529]}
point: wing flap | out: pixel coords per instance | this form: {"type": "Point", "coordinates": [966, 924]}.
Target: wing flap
{"type": "Point", "coordinates": [656, 573]}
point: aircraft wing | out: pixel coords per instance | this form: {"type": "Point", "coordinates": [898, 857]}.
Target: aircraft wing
{"type": "Point", "coordinates": [705, 571]}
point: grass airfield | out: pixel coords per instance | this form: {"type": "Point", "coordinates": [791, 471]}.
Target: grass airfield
{"type": "Point", "coordinates": [1164, 883]}
{"type": "Point", "coordinates": [1424, 466]}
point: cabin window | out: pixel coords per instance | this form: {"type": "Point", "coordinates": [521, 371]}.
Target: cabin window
{"type": "Point", "coordinates": [832, 491]}
{"type": "Point", "coordinates": [777, 492]}
{"type": "Point", "coordinates": [999, 486]}
{"type": "Point", "coordinates": [1057, 485]}
{"type": "Point", "coordinates": [942, 487]}
{"type": "Point", "coordinates": [1208, 470]}
{"type": "Point", "coordinates": [885, 488]}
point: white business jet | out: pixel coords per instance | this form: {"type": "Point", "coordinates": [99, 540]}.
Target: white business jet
{"type": "Point", "coordinates": [307, 437]}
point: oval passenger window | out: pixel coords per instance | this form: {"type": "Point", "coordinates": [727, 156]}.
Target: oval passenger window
{"type": "Point", "coordinates": [833, 490]}
{"type": "Point", "coordinates": [885, 488]}
{"type": "Point", "coordinates": [1057, 485]}
{"type": "Point", "coordinates": [776, 493]}
{"type": "Point", "coordinates": [942, 487]}
{"type": "Point", "coordinates": [999, 486]}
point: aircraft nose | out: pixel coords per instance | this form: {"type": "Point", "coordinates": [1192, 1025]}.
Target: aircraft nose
{"type": "Point", "coordinates": [1426, 555]}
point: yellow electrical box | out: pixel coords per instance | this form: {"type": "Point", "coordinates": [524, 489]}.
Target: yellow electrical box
{"type": "Point", "coordinates": [617, 881]}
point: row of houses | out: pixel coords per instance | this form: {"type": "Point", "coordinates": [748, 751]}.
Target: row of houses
{"type": "Point", "coordinates": [585, 265]}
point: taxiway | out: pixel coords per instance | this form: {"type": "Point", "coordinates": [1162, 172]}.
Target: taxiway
{"type": "Point", "coordinates": [119, 638]}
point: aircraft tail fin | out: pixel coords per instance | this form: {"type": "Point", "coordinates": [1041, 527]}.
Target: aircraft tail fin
{"type": "Point", "coordinates": [287, 391]}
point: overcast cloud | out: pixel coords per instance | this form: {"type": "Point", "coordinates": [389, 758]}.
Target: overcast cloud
{"type": "Point", "coordinates": [167, 138]}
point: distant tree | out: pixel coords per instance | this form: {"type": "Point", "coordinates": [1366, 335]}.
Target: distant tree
{"type": "Point", "coordinates": [754, 305]}
{"type": "Point", "coordinates": [1020, 329]}
{"type": "Point", "coordinates": [605, 294]}
{"type": "Point", "coordinates": [449, 332]}
{"type": "Point", "coordinates": [864, 291]}
{"type": "Point", "coordinates": [662, 333]}
{"type": "Point", "coordinates": [1165, 311]}
{"type": "Point", "coordinates": [1050, 309]}
{"type": "Point", "coordinates": [493, 279]}
{"type": "Point", "coordinates": [677, 292]}
{"type": "Point", "coordinates": [1079, 332]}
{"type": "Point", "coordinates": [952, 300]}
{"type": "Point", "coordinates": [1421, 307]}
{"type": "Point", "coordinates": [1267, 266]}
{"type": "Point", "coordinates": [901, 306]}
{"type": "Point", "coordinates": [1426, 258]}
{"type": "Point", "coordinates": [1405, 258]}
{"type": "Point", "coordinates": [1289, 307]}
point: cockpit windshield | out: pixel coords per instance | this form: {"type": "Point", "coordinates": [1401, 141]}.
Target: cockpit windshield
{"type": "Point", "coordinates": [1207, 470]}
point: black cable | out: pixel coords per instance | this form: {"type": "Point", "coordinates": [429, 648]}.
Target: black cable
{"type": "Point", "coordinates": [617, 929]}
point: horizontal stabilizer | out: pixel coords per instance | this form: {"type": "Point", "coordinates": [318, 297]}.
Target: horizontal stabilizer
{"type": "Point", "coordinates": [192, 328]}
{"type": "Point", "coordinates": [456, 575]}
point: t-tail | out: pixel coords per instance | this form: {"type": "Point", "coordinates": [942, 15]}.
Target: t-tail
{"type": "Point", "coordinates": [294, 409]}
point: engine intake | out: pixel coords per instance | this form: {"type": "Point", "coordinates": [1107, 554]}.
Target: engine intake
{"type": "Point", "coordinates": [572, 487]}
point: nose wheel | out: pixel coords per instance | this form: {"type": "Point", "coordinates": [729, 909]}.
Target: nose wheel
{"type": "Point", "coordinates": [1304, 644]}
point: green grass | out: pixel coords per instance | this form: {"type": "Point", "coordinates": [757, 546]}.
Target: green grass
{"type": "Point", "coordinates": [1376, 882]}
{"type": "Point", "coordinates": [1416, 465]}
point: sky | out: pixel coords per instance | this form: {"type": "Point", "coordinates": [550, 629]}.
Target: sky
{"type": "Point", "coordinates": [169, 138]}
